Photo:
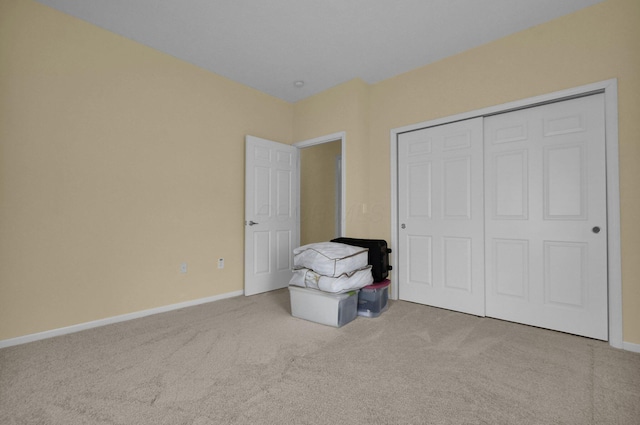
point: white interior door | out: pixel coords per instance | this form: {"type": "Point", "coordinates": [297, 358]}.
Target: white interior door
{"type": "Point", "coordinates": [271, 208]}
{"type": "Point", "coordinates": [546, 224]}
{"type": "Point", "coordinates": [441, 209]}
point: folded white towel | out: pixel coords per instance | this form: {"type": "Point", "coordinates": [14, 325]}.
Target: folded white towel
{"type": "Point", "coordinates": [357, 279]}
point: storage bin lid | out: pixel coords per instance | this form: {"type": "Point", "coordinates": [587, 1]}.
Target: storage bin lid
{"type": "Point", "coordinates": [379, 285]}
{"type": "Point", "coordinates": [317, 292]}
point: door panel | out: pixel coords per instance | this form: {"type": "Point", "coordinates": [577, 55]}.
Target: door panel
{"type": "Point", "coordinates": [511, 259]}
{"type": "Point", "coordinates": [565, 266]}
{"type": "Point", "coordinates": [546, 190]}
{"type": "Point", "coordinates": [441, 211]}
{"type": "Point", "coordinates": [511, 200]}
{"type": "Point", "coordinates": [564, 182]}
{"type": "Point", "coordinates": [419, 267]}
{"type": "Point", "coordinates": [270, 214]}
{"type": "Point", "coordinates": [456, 254]}
{"type": "Point", "coordinates": [457, 188]}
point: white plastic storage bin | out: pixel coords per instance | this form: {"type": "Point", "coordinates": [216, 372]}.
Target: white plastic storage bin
{"type": "Point", "coordinates": [323, 307]}
{"type": "Point", "coordinates": [373, 300]}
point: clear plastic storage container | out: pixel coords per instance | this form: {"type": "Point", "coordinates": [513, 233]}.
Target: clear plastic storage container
{"type": "Point", "coordinates": [323, 307]}
{"type": "Point", "coordinates": [373, 300]}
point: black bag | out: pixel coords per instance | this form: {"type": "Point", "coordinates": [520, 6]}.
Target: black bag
{"type": "Point", "coordinates": [378, 255]}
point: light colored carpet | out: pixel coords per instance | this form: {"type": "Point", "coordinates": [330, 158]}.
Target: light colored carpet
{"type": "Point", "coordinates": [247, 361]}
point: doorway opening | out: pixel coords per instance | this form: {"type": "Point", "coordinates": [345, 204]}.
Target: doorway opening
{"type": "Point", "coordinates": [321, 188]}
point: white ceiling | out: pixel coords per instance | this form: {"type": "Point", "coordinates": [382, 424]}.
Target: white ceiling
{"type": "Point", "coordinates": [270, 44]}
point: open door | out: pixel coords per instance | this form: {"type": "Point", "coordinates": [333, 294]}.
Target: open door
{"type": "Point", "coordinates": [271, 214]}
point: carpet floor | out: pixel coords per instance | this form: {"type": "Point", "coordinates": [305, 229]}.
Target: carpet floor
{"type": "Point", "coordinates": [246, 360]}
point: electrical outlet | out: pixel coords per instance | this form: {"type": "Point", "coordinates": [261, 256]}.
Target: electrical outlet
{"type": "Point", "coordinates": [183, 268]}
{"type": "Point", "coordinates": [221, 263]}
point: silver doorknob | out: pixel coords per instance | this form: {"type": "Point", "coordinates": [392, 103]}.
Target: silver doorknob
{"type": "Point", "coordinates": [596, 230]}
{"type": "Point", "coordinates": [403, 226]}
{"type": "Point", "coordinates": [251, 223]}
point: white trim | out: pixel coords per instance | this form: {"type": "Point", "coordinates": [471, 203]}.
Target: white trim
{"type": "Point", "coordinates": [337, 214]}
{"type": "Point", "coordinates": [395, 236]}
{"type": "Point", "coordinates": [613, 213]}
{"type": "Point", "coordinates": [342, 136]}
{"type": "Point", "coordinates": [115, 319]}
{"type": "Point", "coordinates": [320, 140]}
{"type": "Point", "coordinates": [610, 90]}
{"type": "Point", "coordinates": [631, 347]}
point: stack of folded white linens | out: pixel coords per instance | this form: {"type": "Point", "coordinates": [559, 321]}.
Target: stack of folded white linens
{"type": "Point", "coordinates": [331, 267]}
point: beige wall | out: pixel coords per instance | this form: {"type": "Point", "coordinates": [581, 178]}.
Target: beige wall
{"type": "Point", "coordinates": [117, 163]}
{"type": "Point", "coordinates": [595, 44]}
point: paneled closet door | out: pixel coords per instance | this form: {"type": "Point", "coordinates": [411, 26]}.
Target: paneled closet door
{"type": "Point", "coordinates": [545, 212]}
{"type": "Point", "coordinates": [441, 261]}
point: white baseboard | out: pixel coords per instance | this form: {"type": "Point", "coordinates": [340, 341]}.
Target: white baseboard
{"type": "Point", "coordinates": [629, 346]}
{"type": "Point", "coordinates": [115, 319]}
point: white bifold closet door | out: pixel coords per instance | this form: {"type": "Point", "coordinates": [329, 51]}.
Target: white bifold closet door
{"type": "Point", "coordinates": [505, 216]}
{"type": "Point", "coordinates": [546, 217]}
{"type": "Point", "coordinates": [441, 212]}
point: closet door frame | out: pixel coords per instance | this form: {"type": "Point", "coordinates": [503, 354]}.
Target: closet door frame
{"type": "Point", "coordinates": [610, 90]}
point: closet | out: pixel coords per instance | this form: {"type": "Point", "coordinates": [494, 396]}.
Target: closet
{"type": "Point", "coordinates": [505, 216]}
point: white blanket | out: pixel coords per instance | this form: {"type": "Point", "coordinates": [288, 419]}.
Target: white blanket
{"type": "Point", "coordinates": [330, 258]}
{"type": "Point", "coordinates": [347, 282]}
